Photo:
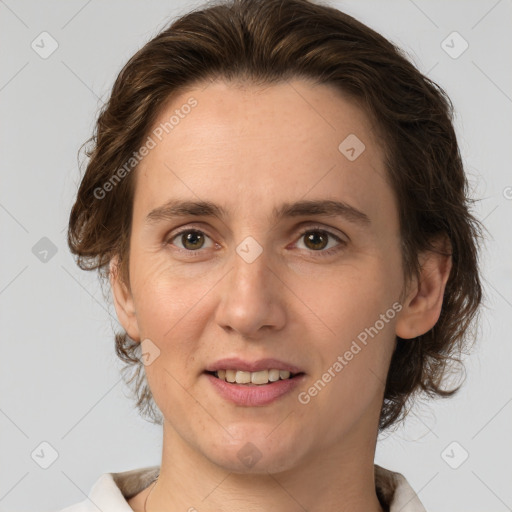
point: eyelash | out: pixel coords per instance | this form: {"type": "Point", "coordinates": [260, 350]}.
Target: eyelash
{"type": "Point", "coordinates": [313, 229]}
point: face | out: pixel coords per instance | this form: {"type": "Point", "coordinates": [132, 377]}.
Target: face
{"type": "Point", "coordinates": [299, 261]}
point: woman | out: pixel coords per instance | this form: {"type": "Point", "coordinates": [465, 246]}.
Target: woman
{"type": "Point", "coordinates": [277, 197]}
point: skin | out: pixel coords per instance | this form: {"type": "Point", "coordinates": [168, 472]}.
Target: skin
{"type": "Point", "coordinates": [250, 149]}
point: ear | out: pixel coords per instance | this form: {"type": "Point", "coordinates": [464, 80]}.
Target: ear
{"type": "Point", "coordinates": [422, 306]}
{"type": "Point", "coordinates": [123, 301]}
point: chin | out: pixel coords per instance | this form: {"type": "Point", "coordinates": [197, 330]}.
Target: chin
{"type": "Point", "coordinates": [255, 453]}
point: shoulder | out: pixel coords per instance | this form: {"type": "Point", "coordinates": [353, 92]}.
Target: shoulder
{"type": "Point", "coordinates": [396, 492]}
{"type": "Point", "coordinates": [112, 490]}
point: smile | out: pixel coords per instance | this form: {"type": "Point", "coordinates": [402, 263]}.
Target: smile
{"type": "Point", "coordinates": [259, 378]}
{"type": "Point", "coordinates": [250, 394]}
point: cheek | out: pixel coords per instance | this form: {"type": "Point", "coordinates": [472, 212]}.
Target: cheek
{"type": "Point", "coordinates": [344, 301]}
{"type": "Point", "coordinates": [170, 312]}
{"type": "Point", "coordinates": [165, 298]}
{"type": "Point", "coordinates": [354, 328]}
{"type": "Point", "coordinates": [353, 362]}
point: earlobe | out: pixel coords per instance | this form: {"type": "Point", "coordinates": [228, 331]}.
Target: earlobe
{"type": "Point", "coordinates": [123, 301]}
{"type": "Point", "coordinates": [422, 306]}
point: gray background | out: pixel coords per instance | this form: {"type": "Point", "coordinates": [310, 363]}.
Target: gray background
{"type": "Point", "coordinates": [59, 374]}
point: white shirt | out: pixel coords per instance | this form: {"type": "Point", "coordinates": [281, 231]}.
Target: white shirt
{"type": "Point", "coordinates": [111, 491]}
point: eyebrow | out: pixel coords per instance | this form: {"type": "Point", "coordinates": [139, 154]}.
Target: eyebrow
{"type": "Point", "coordinates": [183, 208]}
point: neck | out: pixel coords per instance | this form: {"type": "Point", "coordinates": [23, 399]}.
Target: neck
{"type": "Point", "coordinates": [340, 481]}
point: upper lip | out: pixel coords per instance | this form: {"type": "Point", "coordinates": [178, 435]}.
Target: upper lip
{"type": "Point", "coordinates": [235, 363]}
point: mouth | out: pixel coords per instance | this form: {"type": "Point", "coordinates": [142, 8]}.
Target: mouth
{"type": "Point", "coordinates": [254, 389]}
{"type": "Point", "coordinates": [259, 378]}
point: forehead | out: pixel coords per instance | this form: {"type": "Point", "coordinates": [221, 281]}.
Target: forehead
{"type": "Point", "coordinates": [245, 144]}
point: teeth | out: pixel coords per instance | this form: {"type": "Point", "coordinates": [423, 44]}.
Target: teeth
{"type": "Point", "coordinates": [243, 377]}
{"type": "Point", "coordinates": [273, 375]}
{"type": "Point", "coordinates": [257, 378]}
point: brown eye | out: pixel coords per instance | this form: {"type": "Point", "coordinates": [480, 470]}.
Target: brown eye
{"type": "Point", "coordinates": [189, 240]}
{"type": "Point", "coordinates": [192, 240]}
{"type": "Point", "coordinates": [320, 241]}
{"type": "Point", "coordinates": [316, 240]}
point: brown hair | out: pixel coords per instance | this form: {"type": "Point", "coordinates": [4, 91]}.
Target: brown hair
{"type": "Point", "coordinates": [270, 41]}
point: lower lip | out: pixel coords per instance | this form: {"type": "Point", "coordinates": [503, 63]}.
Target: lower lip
{"type": "Point", "coordinates": [257, 395]}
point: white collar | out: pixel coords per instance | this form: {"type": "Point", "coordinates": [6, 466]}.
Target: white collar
{"type": "Point", "coordinates": [111, 491]}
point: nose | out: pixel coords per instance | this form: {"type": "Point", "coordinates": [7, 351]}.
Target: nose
{"type": "Point", "coordinates": [252, 299]}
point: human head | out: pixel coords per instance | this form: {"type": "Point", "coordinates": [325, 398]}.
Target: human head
{"type": "Point", "coordinates": [266, 43]}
